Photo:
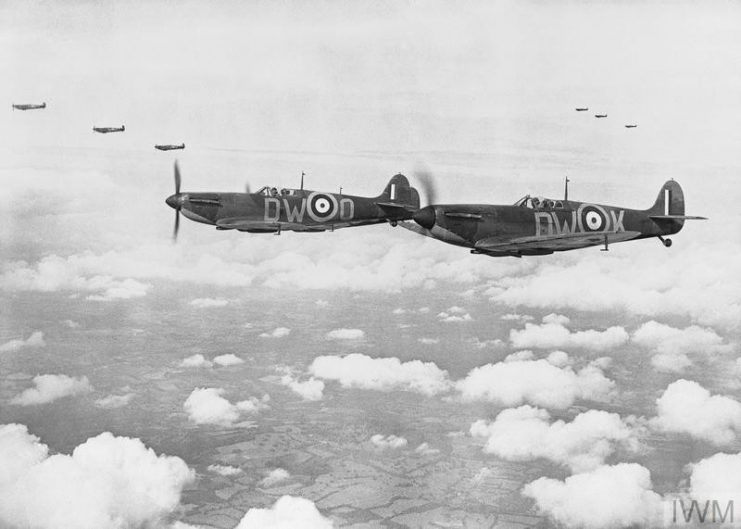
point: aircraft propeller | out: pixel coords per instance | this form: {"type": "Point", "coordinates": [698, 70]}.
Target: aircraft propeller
{"type": "Point", "coordinates": [176, 203]}
{"type": "Point", "coordinates": [425, 216]}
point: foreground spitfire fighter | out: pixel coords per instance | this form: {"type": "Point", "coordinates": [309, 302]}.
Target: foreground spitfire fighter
{"type": "Point", "coordinates": [270, 210]}
{"type": "Point", "coordinates": [29, 106]}
{"type": "Point", "coordinates": [169, 147]}
{"type": "Point", "coordinates": [541, 226]}
{"type": "Point", "coordinates": [106, 130]}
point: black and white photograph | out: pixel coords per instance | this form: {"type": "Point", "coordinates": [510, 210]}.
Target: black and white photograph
{"type": "Point", "coordinates": [370, 264]}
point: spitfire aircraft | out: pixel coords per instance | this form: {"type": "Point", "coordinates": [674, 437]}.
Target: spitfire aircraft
{"type": "Point", "coordinates": [630, 126]}
{"type": "Point", "coordinates": [29, 106]}
{"type": "Point", "coordinates": [581, 109]}
{"type": "Point", "coordinates": [169, 147]}
{"type": "Point", "coordinates": [270, 210]}
{"type": "Point", "coordinates": [106, 130]}
{"type": "Point", "coordinates": [600, 115]}
{"type": "Point", "coordinates": [541, 226]}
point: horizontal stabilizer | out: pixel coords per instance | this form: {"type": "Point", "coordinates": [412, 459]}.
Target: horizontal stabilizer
{"type": "Point", "coordinates": [396, 208]}
{"type": "Point", "coordinates": [676, 217]}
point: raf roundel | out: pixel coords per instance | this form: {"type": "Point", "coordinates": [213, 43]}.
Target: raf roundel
{"type": "Point", "coordinates": [322, 206]}
{"type": "Point", "coordinates": [592, 218]}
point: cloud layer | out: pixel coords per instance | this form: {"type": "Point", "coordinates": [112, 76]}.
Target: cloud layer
{"type": "Point", "coordinates": [48, 388]}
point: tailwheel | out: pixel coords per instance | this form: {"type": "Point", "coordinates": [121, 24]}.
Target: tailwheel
{"type": "Point", "coordinates": [667, 242]}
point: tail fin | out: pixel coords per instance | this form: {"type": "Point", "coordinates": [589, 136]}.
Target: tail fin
{"type": "Point", "coordinates": [670, 201]}
{"type": "Point", "coordinates": [399, 199]}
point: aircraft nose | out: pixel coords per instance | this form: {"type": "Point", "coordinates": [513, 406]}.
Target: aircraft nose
{"type": "Point", "coordinates": [175, 201]}
{"type": "Point", "coordinates": [425, 217]}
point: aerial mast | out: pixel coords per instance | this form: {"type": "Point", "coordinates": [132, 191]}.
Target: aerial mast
{"type": "Point", "coordinates": [302, 180]}
{"type": "Point", "coordinates": [566, 190]}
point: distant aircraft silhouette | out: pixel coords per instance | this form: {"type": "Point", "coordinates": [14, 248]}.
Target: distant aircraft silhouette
{"type": "Point", "coordinates": [630, 126]}
{"type": "Point", "coordinates": [582, 109]}
{"type": "Point", "coordinates": [29, 106]}
{"type": "Point", "coordinates": [106, 130]}
{"type": "Point", "coordinates": [169, 147]}
{"type": "Point", "coordinates": [600, 115]}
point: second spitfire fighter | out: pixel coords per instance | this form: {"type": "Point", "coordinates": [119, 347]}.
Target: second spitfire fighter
{"type": "Point", "coordinates": [29, 106]}
{"type": "Point", "coordinates": [169, 147]}
{"type": "Point", "coordinates": [106, 130]}
{"type": "Point", "coordinates": [541, 226]}
{"type": "Point", "coordinates": [270, 210]}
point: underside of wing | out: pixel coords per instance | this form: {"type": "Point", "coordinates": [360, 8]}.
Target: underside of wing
{"type": "Point", "coordinates": [677, 217]}
{"type": "Point", "coordinates": [256, 226]}
{"type": "Point", "coordinates": [560, 242]}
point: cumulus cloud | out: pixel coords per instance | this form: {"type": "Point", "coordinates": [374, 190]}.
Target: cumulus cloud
{"type": "Point", "coordinates": [274, 476]}
{"type": "Point", "coordinates": [384, 374]}
{"type": "Point", "coordinates": [229, 359]}
{"type": "Point", "coordinates": [224, 470]}
{"type": "Point", "coordinates": [113, 289]}
{"type": "Point", "coordinates": [672, 347]}
{"type": "Point", "coordinates": [606, 497]}
{"type": "Point", "coordinates": [288, 512]}
{"type": "Point", "coordinates": [196, 360]}
{"type": "Point", "coordinates": [534, 381]}
{"type": "Point", "coordinates": [205, 303]}
{"type": "Point", "coordinates": [516, 317]}
{"type": "Point", "coordinates": [118, 482]}
{"type": "Point", "coordinates": [426, 450]}
{"type": "Point", "coordinates": [717, 477]}
{"type": "Point", "coordinates": [697, 282]}
{"type": "Point", "coordinates": [36, 339]}
{"type": "Point", "coordinates": [687, 407]}
{"type": "Point", "coordinates": [552, 333]}
{"type": "Point", "coordinates": [278, 332]}
{"type": "Point", "coordinates": [114, 401]}
{"type": "Point", "coordinates": [428, 341]}
{"type": "Point", "coordinates": [48, 388]}
{"type": "Point", "coordinates": [207, 406]}
{"type": "Point", "coordinates": [345, 334]}
{"type": "Point", "coordinates": [526, 433]}
{"type": "Point", "coordinates": [384, 442]}
{"type": "Point", "coordinates": [311, 389]}
{"type": "Point", "coordinates": [454, 314]}
{"type": "Point", "coordinates": [520, 356]}
{"type": "Point", "coordinates": [558, 358]}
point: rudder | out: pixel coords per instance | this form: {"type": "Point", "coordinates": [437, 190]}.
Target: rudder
{"type": "Point", "coordinates": [670, 200]}
{"type": "Point", "coordinates": [398, 191]}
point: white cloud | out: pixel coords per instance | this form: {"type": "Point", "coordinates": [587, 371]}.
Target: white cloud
{"type": "Point", "coordinates": [278, 332]}
{"type": "Point", "coordinates": [687, 407]}
{"type": "Point", "coordinates": [48, 388]}
{"type": "Point", "coordinates": [229, 359]}
{"type": "Point", "coordinates": [717, 477]}
{"type": "Point", "coordinates": [428, 341]}
{"type": "Point", "coordinates": [672, 347]}
{"type": "Point", "coordinates": [112, 289]}
{"type": "Point", "coordinates": [526, 433]}
{"type": "Point", "coordinates": [384, 442]}
{"type": "Point", "coordinates": [311, 389]}
{"type": "Point", "coordinates": [114, 401]}
{"type": "Point", "coordinates": [516, 317]}
{"type": "Point", "coordinates": [384, 374]}
{"type": "Point", "coordinates": [426, 450]}
{"type": "Point", "coordinates": [275, 476]}
{"type": "Point", "coordinates": [71, 324]}
{"type": "Point", "coordinates": [699, 281]}
{"type": "Point", "coordinates": [520, 356]}
{"type": "Point", "coordinates": [36, 339]}
{"type": "Point", "coordinates": [321, 303]}
{"type": "Point", "coordinates": [118, 482]}
{"type": "Point", "coordinates": [346, 334]}
{"type": "Point", "coordinates": [205, 303]}
{"type": "Point", "coordinates": [608, 497]}
{"type": "Point", "coordinates": [224, 470]}
{"type": "Point", "coordinates": [207, 406]}
{"type": "Point", "coordinates": [557, 319]}
{"type": "Point", "coordinates": [558, 358]}
{"type": "Point", "coordinates": [398, 311]}
{"type": "Point", "coordinates": [534, 381]}
{"type": "Point", "coordinates": [454, 315]}
{"type": "Point", "coordinates": [196, 360]}
{"type": "Point", "coordinates": [288, 512]}
{"type": "Point", "coordinates": [553, 334]}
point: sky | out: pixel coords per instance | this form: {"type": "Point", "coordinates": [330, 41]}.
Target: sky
{"type": "Point", "coordinates": [100, 313]}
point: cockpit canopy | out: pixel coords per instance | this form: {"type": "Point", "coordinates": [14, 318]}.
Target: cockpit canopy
{"type": "Point", "coordinates": [540, 203]}
{"type": "Point", "coordinates": [273, 192]}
